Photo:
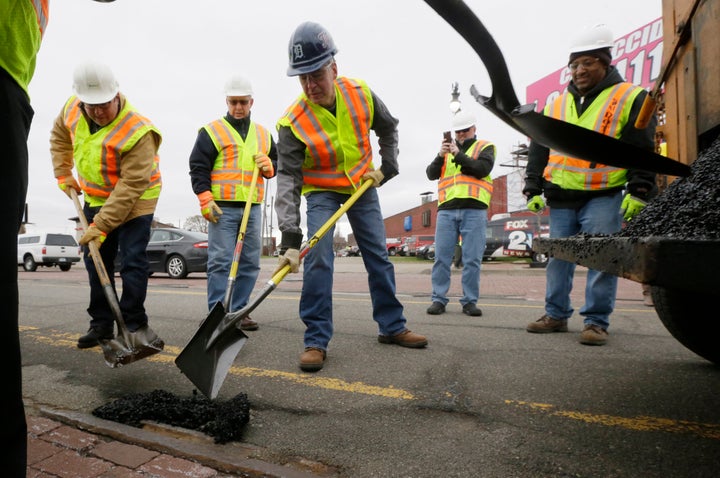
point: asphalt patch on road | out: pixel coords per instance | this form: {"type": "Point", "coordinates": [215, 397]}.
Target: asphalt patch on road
{"type": "Point", "coordinates": [223, 420]}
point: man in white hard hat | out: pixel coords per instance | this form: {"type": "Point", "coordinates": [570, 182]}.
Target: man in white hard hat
{"type": "Point", "coordinates": [114, 151]}
{"type": "Point", "coordinates": [462, 168]}
{"type": "Point", "coordinates": [325, 154]}
{"type": "Point", "coordinates": [586, 197]}
{"type": "Point", "coordinates": [222, 161]}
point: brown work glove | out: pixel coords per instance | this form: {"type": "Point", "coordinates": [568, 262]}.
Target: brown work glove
{"type": "Point", "coordinates": [208, 208]}
{"type": "Point", "coordinates": [376, 176]}
{"type": "Point", "coordinates": [292, 257]}
{"type": "Point", "coordinates": [66, 183]}
{"type": "Point", "coordinates": [93, 234]}
{"type": "Point", "coordinates": [265, 165]}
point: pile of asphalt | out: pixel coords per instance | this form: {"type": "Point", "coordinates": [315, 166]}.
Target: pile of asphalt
{"type": "Point", "coordinates": [222, 420]}
{"type": "Point", "coordinates": [689, 208]}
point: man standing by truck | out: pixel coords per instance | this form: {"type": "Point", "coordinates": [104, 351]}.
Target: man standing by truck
{"type": "Point", "coordinates": [587, 197]}
{"type": "Point", "coordinates": [464, 191]}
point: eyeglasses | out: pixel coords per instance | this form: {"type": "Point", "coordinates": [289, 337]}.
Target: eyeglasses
{"type": "Point", "coordinates": [243, 102]}
{"type": "Point", "coordinates": [463, 131]}
{"type": "Point", "coordinates": [100, 106]}
{"type": "Point", "coordinates": [317, 75]}
{"type": "Point", "coordinates": [586, 64]}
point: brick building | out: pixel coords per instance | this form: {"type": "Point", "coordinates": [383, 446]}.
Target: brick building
{"type": "Point", "coordinates": [420, 220]}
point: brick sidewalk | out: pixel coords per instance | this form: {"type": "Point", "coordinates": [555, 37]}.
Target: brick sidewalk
{"type": "Point", "coordinates": [69, 444]}
{"type": "Point", "coordinates": [55, 449]}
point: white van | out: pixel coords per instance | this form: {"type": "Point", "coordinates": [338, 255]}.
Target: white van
{"type": "Point", "coordinates": [47, 249]}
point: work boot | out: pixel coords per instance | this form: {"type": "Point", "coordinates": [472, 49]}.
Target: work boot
{"type": "Point", "coordinates": [436, 308]}
{"type": "Point", "coordinates": [312, 359]}
{"type": "Point", "coordinates": [547, 324]}
{"type": "Point", "coordinates": [471, 310]}
{"type": "Point", "coordinates": [248, 324]}
{"type": "Point", "coordinates": [593, 335]}
{"type": "Point", "coordinates": [93, 337]}
{"type": "Point", "coordinates": [404, 339]}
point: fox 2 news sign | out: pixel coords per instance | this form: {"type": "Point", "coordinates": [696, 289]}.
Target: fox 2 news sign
{"type": "Point", "coordinates": [637, 56]}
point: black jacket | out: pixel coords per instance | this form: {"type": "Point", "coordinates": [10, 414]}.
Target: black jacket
{"type": "Point", "coordinates": [640, 183]}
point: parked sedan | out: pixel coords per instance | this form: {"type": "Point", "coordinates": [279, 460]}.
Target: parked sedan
{"type": "Point", "coordinates": [176, 252]}
{"type": "Point", "coordinates": [426, 252]}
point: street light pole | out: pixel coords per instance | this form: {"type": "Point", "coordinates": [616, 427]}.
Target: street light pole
{"type": "Point", "coordinates": [455, 99]}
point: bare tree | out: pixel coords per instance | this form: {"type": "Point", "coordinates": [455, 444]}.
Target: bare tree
{"type": "Point", "coordinates": [339, 242]}
{"type": "Point", "coordinates": [196, 223]}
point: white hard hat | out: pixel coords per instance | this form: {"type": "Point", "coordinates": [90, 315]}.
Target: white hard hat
{"type": "Point", "coordinates": [238, 85]}
{"type": "Point", "coordinates": [593, 38]}
{"type": "Point", "coordinates": [94, 83]}
{"type": "Point", "coordinates": [463, 120]}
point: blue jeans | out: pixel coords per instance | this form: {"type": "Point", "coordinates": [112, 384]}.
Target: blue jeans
{"type": "Point", "coordinates": [368, 227]}
{"type": "Point", "coordinates": [131, 238]}
{"type": "Point", "coordinates": [470, 224]}
{"type": "Point", "coordinates": [600, 215]}
{"type": "Point", "coordinates": [222, 237]}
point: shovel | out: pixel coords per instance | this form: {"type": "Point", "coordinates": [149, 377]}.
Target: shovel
{"type": "Point", "coordinates": [128, 346]}
{"type": "Point", "coordinates": [564, 137]}
{"type": "Point", "coordinates": [238, 339]}
{"type": "Point", "coordinates": [207, 358]}
{"type": "Point", "coordinates": [240, 239]}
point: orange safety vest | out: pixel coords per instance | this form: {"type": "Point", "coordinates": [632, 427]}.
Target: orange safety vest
{"type": "Point", "coordinates": [233, 169]}
{"type": "Point", "coordinates": [98, 156]}
{"type": "Point", "coordinates": [338, 149]}
{"type": "Point", "coordinates": [453, 184]}
{"type": "Point", "coordinates": [608, 114]}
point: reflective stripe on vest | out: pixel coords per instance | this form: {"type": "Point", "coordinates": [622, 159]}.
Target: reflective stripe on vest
{"type": "Point", "coordinates": [453, 184]}
{"type": "Point", "coordinates": [233, 169]}
{"type": "Point", "coordinates": [608, 114]}
{"type": "Point", "coordinates": [338, 149]}
{"type": "Point", "coordinates": [98, 155]}
{"type": "Point", "coordinates": [42, 11]}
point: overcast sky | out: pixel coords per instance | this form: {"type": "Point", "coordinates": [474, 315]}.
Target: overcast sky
{"type": "Point", "coordinates": [172, 58]}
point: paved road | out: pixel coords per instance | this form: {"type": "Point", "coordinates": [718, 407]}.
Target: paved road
{"type": "Point", "coordinates": [484, 399]}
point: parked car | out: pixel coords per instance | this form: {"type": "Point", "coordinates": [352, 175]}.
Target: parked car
{"type": "Point", "coordinates": [426, 252]}
{"type": "Point", "coordinates": [47, 250]}
{"type": "Point", "coordinates": [176, 252]}
{"type": "Point", "coordinates": [411, 244]}
{"type": "Point", "coordinates": [393, 245]}
{"type": "Point", "coordinates": [351, 251]}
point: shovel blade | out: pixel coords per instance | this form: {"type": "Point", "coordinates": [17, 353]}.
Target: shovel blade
{"type": "Point", "coordinates": [137, 345]}
{"type": "Point", "coordinates": [206, 367]}
{"type": "Point", "coordinates": [591, 145]}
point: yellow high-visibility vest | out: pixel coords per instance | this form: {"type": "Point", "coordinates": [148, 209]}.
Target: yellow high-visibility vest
{"type": "Point", "coordinates": [608, 114]}
{"type": "Point", "coordinates": [453, 184]}
{"type": "Point", "coordinates": [98, 155]}
{"type": "Point", "coordinates": [338, 149]}
{"type": "Point", "coordinates": [233, 169]}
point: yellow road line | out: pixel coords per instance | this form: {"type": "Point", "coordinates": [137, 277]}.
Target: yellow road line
{"type": "Point", "coordinates": [640, 423]}
{"type": "Point", "coordinates": [170, 353]}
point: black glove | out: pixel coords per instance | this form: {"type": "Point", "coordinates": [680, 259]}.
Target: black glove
{"type": "Point", "coordinates": [460, 160]}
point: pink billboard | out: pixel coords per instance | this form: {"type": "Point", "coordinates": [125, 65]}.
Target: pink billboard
{"type": "Point", "coordinates": [637, 56]}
